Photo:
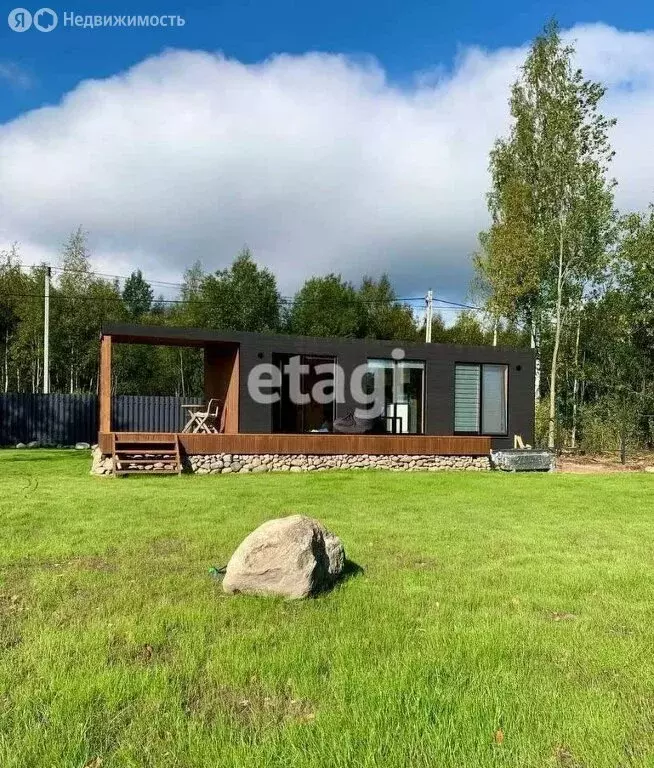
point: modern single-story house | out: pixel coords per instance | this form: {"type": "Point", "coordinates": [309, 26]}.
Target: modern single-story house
{"type": "Point", "coordinates": [298, 395]}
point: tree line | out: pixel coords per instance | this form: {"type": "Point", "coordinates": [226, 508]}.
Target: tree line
{"type": "Point", "coordinates": [243, 297]}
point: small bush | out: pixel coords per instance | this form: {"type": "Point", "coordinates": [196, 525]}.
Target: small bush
{"type": "Point", "coordinates": [602, 424]}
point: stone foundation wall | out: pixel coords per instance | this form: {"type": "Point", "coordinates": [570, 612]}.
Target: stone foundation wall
{"type": "Point", "coordinates": [229, 463]}
{"type": "Point", "coordinates": [100, 465]}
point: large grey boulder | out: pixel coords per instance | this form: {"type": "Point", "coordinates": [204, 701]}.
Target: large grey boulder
{"type": "Point", "coordinates": [291, 557]}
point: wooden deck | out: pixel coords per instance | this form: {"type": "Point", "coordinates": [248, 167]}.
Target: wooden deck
{"type": "Point", "coordinates": [428, 445]}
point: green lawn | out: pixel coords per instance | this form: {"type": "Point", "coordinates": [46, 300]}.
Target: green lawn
{"type": "Point", "coordinates": [501, 620]}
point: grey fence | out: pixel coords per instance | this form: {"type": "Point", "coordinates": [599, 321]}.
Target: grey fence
{"type": "Point", "coordinates": [140, 413]}
{"type": "Point", "coordinates": [70, 419]}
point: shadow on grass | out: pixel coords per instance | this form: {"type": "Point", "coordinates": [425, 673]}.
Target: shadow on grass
{"type": "Point", "coordinates": [350, 571]}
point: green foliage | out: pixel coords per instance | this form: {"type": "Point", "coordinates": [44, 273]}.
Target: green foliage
{"type": "Point", "coordinates": [469, 329]}
{"type": "Point", "coordinates": [137, 295]}
{"type": "Point", "coordinates": [606, 423]}
{"type": "Point", "coordinates": [241, 298]}
{"type": "Point", "coordinates": [327, 306]}
{"type": "Point", "coordinates": [20, 337]}
{"type": "Point", "coordinates": [551, 202]}
{"type": "Point", "coordinates": [384, 318]}
{"type": "Point", "coordinates": [635, 272]}
{"type": "Point", "coordinates": [541, 424]}
{"type": "Point", "coordinates": [331, 306]}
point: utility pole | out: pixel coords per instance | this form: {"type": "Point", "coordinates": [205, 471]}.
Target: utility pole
{"type": "Point", "coordinates": [46, 333]}
{"type": "Point", "coordinates": [430, 312]}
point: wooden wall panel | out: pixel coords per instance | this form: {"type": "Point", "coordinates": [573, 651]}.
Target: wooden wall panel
{"type": "Point", "coordinates": [431, 445]}
{"type": "Point", "coordinates": [105, 384]}
{"type": "Point", "coordinates": [232, 400]}
{"type": "Point", "coordinates": [221, 380]}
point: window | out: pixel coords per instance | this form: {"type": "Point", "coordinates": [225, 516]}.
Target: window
{"type": "Point", "coordinates": [467, 397]}
{"type": "Point", "coordinates": [402, 384]}
{"type": "Point", "coordinates": [480, 398]}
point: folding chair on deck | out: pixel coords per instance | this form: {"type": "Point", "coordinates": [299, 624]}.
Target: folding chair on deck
{"type": "Point", "coordinates": [206, 421]}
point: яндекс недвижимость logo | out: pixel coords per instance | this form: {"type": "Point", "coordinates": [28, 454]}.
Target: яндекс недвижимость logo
{"type": "Point", "coordinates": [45, 20]}
{"type": "Point", "coordinates": [20, 20]}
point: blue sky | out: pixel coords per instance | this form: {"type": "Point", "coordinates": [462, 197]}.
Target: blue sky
{"type": "Point", "coordinates": [406, 37]}
{"type": "Point", "coordinates": [341, 136]}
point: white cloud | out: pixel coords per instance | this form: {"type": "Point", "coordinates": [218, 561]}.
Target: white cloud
{"type": "Point", "coordinates": [317, 162]}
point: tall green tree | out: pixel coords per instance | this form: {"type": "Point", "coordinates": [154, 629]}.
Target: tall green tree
{"type": "Point", "coordinates": [137, 295]}
{"type": "Point", "coordinates": [73, 311]}
{"type": "Point", "coordinates": [21, 323]}
{"type": "Point", "coordinates": [635, 272]}
{"type": "Point", "coordinates": [384, 317]}
{"type": "Point", "coordinates": [551, 200]}
{"type": "Point", "coordinates": [80, 304]}
{"type": "Point", "coordinates": [468, 330]}
{"type": "Point", "coordinates": [241, 298]}
{"type": "Point", "coordinates": [327, 306]}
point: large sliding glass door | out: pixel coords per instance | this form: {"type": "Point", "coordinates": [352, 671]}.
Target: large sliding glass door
{"type": "Point", "coordinates": [304, 410]}
{"type": "Point", "coordinates": [401, 383]}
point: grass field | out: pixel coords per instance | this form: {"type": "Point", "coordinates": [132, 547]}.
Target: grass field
{"type": "Point", "coordinates": [501, 620]}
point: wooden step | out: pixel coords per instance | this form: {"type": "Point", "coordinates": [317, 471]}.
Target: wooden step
{"type": "Point", "coordinates": [143, 447]}
{"type": "Point", "coordinates": [121, 460]}
{"type": "Point", "coordinates": [146, 472]}
{"type": "Point", "coordinates": [147, 452]}
{"type": "Point", "coordinates": [164, 450]}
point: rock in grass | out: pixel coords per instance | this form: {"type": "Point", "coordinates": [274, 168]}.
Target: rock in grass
{"type": "Point", "coordinates": [292, 557]}
{"type": "Point", "coordinates": [82, 446]}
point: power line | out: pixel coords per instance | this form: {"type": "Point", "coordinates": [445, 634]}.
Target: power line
{"type": "Point", "coordinates": [284, 299]}
{"type": "Point", "coordinates": [457, 304]}
{"type": "Point", "coordinates": [59, 297]}
{"type": "Point", "coordinates": [292, 299]}
{"type": "Point", "coordinates": [106, 274]}
{"type": "Point", "coordinates": [115, 277]}
{"type": "Point", "coordinates": [56, 296]}
{"type": "Point", "coordinates": [407, 301]}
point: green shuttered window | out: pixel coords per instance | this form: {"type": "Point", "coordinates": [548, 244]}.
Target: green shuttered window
{"type": "Point", "coordinates": [480, 399]}
{"type": "Point", "coordinates": [466, 398]}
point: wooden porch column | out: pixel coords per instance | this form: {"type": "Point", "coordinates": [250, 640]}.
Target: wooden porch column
{"type": "Point", "coordinates": [105, 384]}
{"type": "Point", "coordinates": [221, 380]}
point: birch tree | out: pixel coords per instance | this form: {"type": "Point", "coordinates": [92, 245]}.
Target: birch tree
{"type": "Point", "coordinates": [551, 201]}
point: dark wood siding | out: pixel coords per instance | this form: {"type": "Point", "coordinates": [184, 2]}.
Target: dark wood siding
{"type": "Point", "coordinates": [440, 361]}
{"type": "Point", "coordinates": [324, 444]}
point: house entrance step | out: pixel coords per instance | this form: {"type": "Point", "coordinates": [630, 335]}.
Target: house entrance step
{"type": "Point", "coordinates": [131, 457]}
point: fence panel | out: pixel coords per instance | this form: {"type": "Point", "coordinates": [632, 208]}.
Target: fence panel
{"type": "Point", "coordinates": [50, 419]}
{"type": "Point", "coordinates": [142, 413]}
{"type": "Point", "coordinates": [68, 419]}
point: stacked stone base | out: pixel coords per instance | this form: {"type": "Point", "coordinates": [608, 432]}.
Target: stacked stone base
{"type": "Point", "coordinates": [100, 464]}
{"type": "Point", "coordinates": [228, 463]}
